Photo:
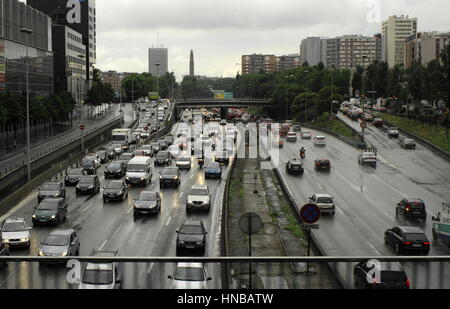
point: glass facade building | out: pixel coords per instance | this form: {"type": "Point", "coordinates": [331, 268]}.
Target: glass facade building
{"type": "Point", "coordinates": [16, 45]}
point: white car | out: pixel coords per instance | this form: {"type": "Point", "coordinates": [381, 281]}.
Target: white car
{"type": "Point", "coordinates": [291, 137]}
{"type": "Point", "coordinates": [174, 151]}
{"type": "Point", "coordinates": [368, 158]}
{"type": "Point", "coordinates": [325, 203]}
{"type": "Point", "coordinates": [319, 140]}
{"type": "Point", "coordinates": [15, 233]}
{"type": "Point", "coordinates": [183, 162]}
{"type": "Point", "coordinates": [305, 135]}
{"type": "Point", "coordinates": [94, 157]}
{"type": "Point", "coordinates": [102, 275]}
{"type": "Point", "coordinates": [189, 276]}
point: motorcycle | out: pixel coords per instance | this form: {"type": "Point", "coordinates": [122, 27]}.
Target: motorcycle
{"type": "Point", "coordinates": [213, 147]}
{"type": "Point", "coordinates": [302, 154]}
{"type": "Point", "coordinates": [201, 162]}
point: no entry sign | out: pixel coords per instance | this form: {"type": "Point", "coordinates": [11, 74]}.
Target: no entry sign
{"type": "Point", "coordinates": [82, 127]}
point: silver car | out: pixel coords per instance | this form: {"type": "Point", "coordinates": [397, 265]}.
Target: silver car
{"type": "Point", "coordinates": [198, 198]}
{"type": "Point", "coordinates": [15, 233]}
{"type": "Point", "coordinates": [189, 276]}
{"type": "Point", "coordinates": [61, 243]}
{"type": "Point", "coordinates": [102, 275]}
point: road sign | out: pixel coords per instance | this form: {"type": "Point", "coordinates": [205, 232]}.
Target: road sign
{"type": "Point", "coordinates": [363, 125]}
{"type": "Point", "coordinates": [146, 128]}
{"type": "Point", "coordinates": [250, 223]}
{"type": "Point", "coordinates": [310, 213]}
{"type": "Point", "coordinates": [310, 226]}
{"type": "Point", "coordinates": [82, 127]}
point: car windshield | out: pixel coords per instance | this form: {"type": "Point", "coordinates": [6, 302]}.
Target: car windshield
{"type": "Point", "coordinates": [184, 159]}
{"type": "Point", "coordinates": [320, 138]}
{"type": "Point", "coordinates": [14, 227]}
{"type": "Point", "coordinates": [146, 147]}
{"type": "Point", "coordinates": [189, 274]}
{"type": "Point", "coordinates": [116, 146]}
{"type": "Point", "coordinates": [162, 155]}
{"type": "Point", "coordinates": [126, 156]}
{"type": "Point", "coordinates": [416, 205]}
{"type": "Point", "coordinates": [48, 205]}
{"type": "Point", "coordinates": [98, 274]}
{"type": "Point", "coordinates": [86, 180]}
{"type": "Point", "coordinates": [198, 192]}
{"type": "Point", "coordinates": [192, 229]}
{"type": "Point", "coordinates": [50, 187]}
{"type": "Point", "coordinates": [115, 185]}
{"type": "Point", "coordinates": [76, 172]}
{"type": "Point", "coordinates": [369, 154]}
{"type": "Point", "coordinates": [213, 165]}
{"type": "Point", "coordinates": [416, 237]}
{"type": "Point", "coordinates": [147, 196]}
{"type": "Point", "coordinates": [170, 171]}
{"type": "Point", "coordinates": [325, 200]}
{"type": "Point", "coordinates": [114, 166]}
{"type": "Point", "coordinates": [56, 240]}
{"type": "Point", "coordinates": [136, 168]}
{"type": "Point", "coordinates": [87, 163]}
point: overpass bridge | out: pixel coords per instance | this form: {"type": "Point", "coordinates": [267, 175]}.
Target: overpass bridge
{"type": "Point", "coordinates": [223, 104]}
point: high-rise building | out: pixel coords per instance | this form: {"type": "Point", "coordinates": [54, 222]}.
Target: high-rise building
{"type": "Point", "coordinates": [425, 47]}
{"type": "Point", "coordinates": [158, 61]}
{"type": "Point", "coordinates": [114, 79]}
{"type": "Point", "coordinates": [357, 50]}
{"type": "Point", "coordinates": [395, 30]}
{"type": "Point", "coordinates": [191, 64]}
{"type": "Point", "coordinates": [313, 50]}
{"type": "Point", "coordinates": [86, 27]}
{"type": "Point", "coordinates": [287, 62]}
{"type": "Point", "coordinates": [16, 45]}
{"type": "Point", "coordinates": [256, 63]}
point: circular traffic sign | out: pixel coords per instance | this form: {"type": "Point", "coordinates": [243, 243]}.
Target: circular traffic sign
{"type": "Point", "coordinates": [363, 124]}
{"type": "Point", "coordinates": [146, 128]}
{"type": "Point", "coordinates": [250, 223]}
{"type": "Point", "coordinates": [310, 213]}
{"type": "Point", "coordinates": [82, 127]}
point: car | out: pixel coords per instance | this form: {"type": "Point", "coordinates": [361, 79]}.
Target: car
{"type": "Point", "coordinates": [222, 157]}
{"type": "Point", "coordinates": [169, 176]}
{"type": "Point", "coordinates": [144, 134]}
{"type": "Point", "coordinates": [174, 151]}
{"type": "Point", "coordinates": [126, 157]}
{"type": "Point", "coordinates": [305, 135]}
{"type": "Point", "coordinates": [94, 157]}
{"type": "Point", "coordinates": [296, 128]}
{"type": "Point", "coordinates": [50, 211]}
{"type": "Point", "coordinates": [367, 157]}
{"type": "Point", "coordinates": [407, 239]}
{"type": "Point", "coordinates": [393, 132]}
{"type": "Point", "coordinates": [110, 152]}
{"type": "Point", "coordinates": [191, 236]}
{"type": "Point", "coordinates": [51, 189]}
{"type": "Point", "coordinates": [15, 232]}
{"type": "Point", "coordinates": [155, 147]}
{"type": "Point", "coordinates": [223, 122]}
{"type": "Point", "coordinates": [103, 156]}
{"type": "Point", "coordinates": [189, 276]}
{"type": "Point", "coordinates": [378, 122]}
{"type": "Point", "coordinates": [4, 251]}
{"type": "Point", "coordinates": [88, 184]}
{"type": "Point", "coordinates": [89, 166]}
{"type": "Point", "coordinates": [319, 140]}
{"type": "Point", "coordinates": [367, 117]}
{"type": "Point", "coordinates": [169, 140]}
{"type": "Point", "coordinates": [324, 202]}
{"type": "Point", "coordinates": [60, 243]}
{"type": "Point", "coordinates": [213, 170]}
{"type": "Point", "coordinates": [139, 171]}
{"type": "Point", "coordinates": [102, 275]}
{"type": "Point", "coordinates": [392, 276]}
{"type": "Point", "coordinates": [117, 148]}
{"type": "Point", "coordinates": [294, 166]}
{"type": "Point", "coordinates": [322, 164]}
{"type": "Point", "coordinates": [147, 202]}
{"type": "Point", "coordinates": [116, 190]}
{"type": "Point", "coordinates": [291, 137]}
{"type": "Point", "coordinates": [147, 150]}
{"type": "Point", "coordinates": [411, 208]}
{"type": "Point", "coordinates": [198, 198]}
{"type": "Point", "coordinates": [73, 176]}
{"type": "Point", "coordinates": [116, 169]}
{"type": "Point", "coordinates": [139, 153]}
{"type": "Point", "coordinates": [163, 158]}
{"type": "Point", "coordinates": [407, 143]}
{"type": "Point", "coordinates": [184, 162]}
{"type": "Point", "coordinates": [163, 144]}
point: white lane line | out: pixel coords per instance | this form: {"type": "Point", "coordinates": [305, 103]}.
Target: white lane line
{"type": "Point", "coordinates": [20, 206]}
{"type": "Point", "coordinates": [373, 247]}
{"type": "Point", "coordinates": [102, 245]}
{"type": "Point", "coordinates": [339, 211]}
{"type": "Point", "coordinates": [129, 210]}
{"type": "Point", "coordinates": [168, 221]}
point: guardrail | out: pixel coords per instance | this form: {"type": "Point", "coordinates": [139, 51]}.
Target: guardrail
{"type": "Point", "coordinates": [24, 272]}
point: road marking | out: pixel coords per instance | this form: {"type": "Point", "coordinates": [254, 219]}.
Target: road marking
{"type": "Point", "coordinates": [129, 210]}
{"type": "Point", "coordinates": [102, 245]}
{"type": "Point", "coordinates": [373, 247]}
{"type": "Point", "coordinates": [168, 221]}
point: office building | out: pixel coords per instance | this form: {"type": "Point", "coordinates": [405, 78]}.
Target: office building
{"type": "Point", "coordinates": [158, 61]}
{"type": "Point", "coordinates": [395, 31]}
{"type": "Point", "coordinates": [15, 45]}
{"type": "Point", "coordinates": [425, 47]}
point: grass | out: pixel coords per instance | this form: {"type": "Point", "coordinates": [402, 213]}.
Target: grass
{"type": "Point", "coordinates": [293, 225]}
{"type": "Point", "coordinates": [334, 125]}
{"type": "Point", "coordinates": [435, 135]}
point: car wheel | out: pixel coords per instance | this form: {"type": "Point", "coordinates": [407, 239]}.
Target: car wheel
{"type": "Point", "coordinates": [397, 212]}
{"type": "Point", "coordinates": [434, 235]}
{"type": "Point", "coordinates": [397, 249]}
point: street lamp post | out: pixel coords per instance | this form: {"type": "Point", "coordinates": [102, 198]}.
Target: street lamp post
{"type": "Point", "coordinates": [28, 31]}
{"type": "Point", "coordinates": [157, 64]}
{"type": "Point", "coordinates": [306, 96]}
{"type": "Point", "coordinates": [332, 88]}
{"type": "Point", "coordinates": [286, 104]}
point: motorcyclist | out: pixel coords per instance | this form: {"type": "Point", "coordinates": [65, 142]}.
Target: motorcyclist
{"type": "Point", "coordinates": [213, 146]}
{"type": "Point", "coordinates": [302, 152]}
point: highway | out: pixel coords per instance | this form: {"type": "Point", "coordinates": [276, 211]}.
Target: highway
{"type": "Point", "coordinates": [110, 226]}
{"type": "Point", "coordinates": [366, 198]}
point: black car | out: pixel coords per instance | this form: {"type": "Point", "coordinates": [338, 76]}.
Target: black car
{"type": "Point", "coordinates": [191, 236]}
{"type": "Point", "coordinates": [110, 152]}
{"type": "Point", "coordinates": [222, 157]}
{"type": "Point", "coordinates": [4, 251]}
{"type": "Point", "coordinates": [88, 184]}
{"type": "Point", "coordinates": [322, 165]}
{"type": "Point", "coordinates": [294, 167]}
{"type": "Point", "coordinates": [116, 169]}
{"type": "Point", "coordinates": [103, 156]}
{"type": "Point", "coordinates": [170, 176]}
{"type": "Point", "coordinates": [169, 140]}
{"type": "Point", "coordinates": [155, 147]}
{"type": "Point", "coordinates": [116, 190]}
{"type": "Point", "coordinates": [50, 211]}
{"type": "Point", "coordinates": [163, 158]}
{"type": "Point", "coordinates": [411, 209]}
{"type": "Point", "coordinates": [89, 166]}
{"type": "Point", "coordinates": [163, 145]}
{"type": "Point", "coordinates": [391, 276]}
{"type": "Point", "coordinates": [51, 189]}
{"type": "Point", "coordinates": [147, 202]}
{"type": "Point", "coordinates": [73, 176]}
{"type": "Point", "coordinates": [125, 157]}
{"type": "Point", "coordinates": [407, 239]}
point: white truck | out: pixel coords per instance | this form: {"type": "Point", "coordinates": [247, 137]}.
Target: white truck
{"type": "Point", "coordinates": [123, 137]}
{"type": "Point", "coordinates": [441, 225]}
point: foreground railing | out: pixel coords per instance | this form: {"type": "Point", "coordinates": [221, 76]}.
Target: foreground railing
{"type": "Point", "coordinates": [267, 272]}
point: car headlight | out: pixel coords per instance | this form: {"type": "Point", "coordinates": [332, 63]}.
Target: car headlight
{"type": "Point", "coordinates": [199, 242]}
{"type": "Point", "coordinates": [160, 177]}
{"type": "Point", "coordinates": [25, 239]}
{"type": "Point", "coordinates": [91, 187]}
{"type": "Point", "coordinates": [176, 178]}
{"type": "Point", "coordinates": [190, 202]}
{"type": "Point", "coordinates": [34, 216]}
{"type": "Point", "coordinates": [64, 253]}
{"type": "Point", "coordinates": [142, 178]}
{"type": "Point", "coordinates": [181, 242]}
{"type": "Point", "coordinates": [127, 178]}
{"type": "Point", "coordinates": [5, 240]}
{"type": "Point", "coordinates": [78, 186]}
{"type": "Point", "coordinates": [205, 202]}
{"type": "Point", "coordinates": [41, 253]}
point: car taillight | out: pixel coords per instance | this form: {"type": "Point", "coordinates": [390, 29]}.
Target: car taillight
{"type": "Point", "coordinates": [427, 243]}
{"type": "Point", "coordinates": [406, 242]}
{"type": "Point", "coordinates": [408, 284]}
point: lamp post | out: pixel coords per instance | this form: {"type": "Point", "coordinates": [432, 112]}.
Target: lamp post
{"type": "Point", "coordinates": [28, 32]}
{"type": "Point", "coordinates": [306, 96]}
{"type": "Point", "coordinates": [286, 104]}
{"type": "Point", "coordinates": [332, 88]}
{"type": "Point", "coordinates": [85, 97]}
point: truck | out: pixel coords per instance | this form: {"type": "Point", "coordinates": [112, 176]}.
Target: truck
{"type": "Point", "coordinates": [441, 225]}
{"type": "Point", "coordinates": [123, 137]}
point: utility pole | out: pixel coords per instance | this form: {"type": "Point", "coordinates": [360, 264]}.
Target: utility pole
{"type": "Point", "coordinates": [28, 32]}
{"type": "Point", "coordinates": [332, 94]}
{"type": "Point", "coordinates": [306, 95]}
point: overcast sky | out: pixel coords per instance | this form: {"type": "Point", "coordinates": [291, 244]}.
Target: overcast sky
{"type": "Point", "coordinates": [219, 32]}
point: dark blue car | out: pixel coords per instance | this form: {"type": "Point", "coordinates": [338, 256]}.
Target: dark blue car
{"type": "Point", "coordinates": [213, 170]}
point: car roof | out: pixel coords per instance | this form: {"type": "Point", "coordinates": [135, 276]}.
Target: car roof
{"type": "Point", "coordinates": [411, 229]}
{"type": "Point", "coordinates": [139, 160]}
{"type": "Point", "coordinates": [199, 187]}
{"type": "Point", "coordinates": [89, 176]}
{"type": "Point", "coordinates": [62, 232]}
{"type": "Point", "coordinates": [14, 219]}
{"type": "Point", "coordinates": [322, 195]}
{"type": "Point", "coordinates": [192, 222]}
{"type": "Point", "coordinates": [414, 200]}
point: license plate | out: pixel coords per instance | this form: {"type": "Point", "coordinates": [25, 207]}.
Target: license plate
{"type": "Point", "coordinates": [417, 246]}
{"type": "Point", "coordinates": [189, 247]}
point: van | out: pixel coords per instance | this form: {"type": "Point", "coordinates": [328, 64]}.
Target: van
{"type": "Point", "coordinates": [139, 171]}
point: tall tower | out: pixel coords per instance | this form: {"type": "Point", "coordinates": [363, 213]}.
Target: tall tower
{"type": "Point", "coordinates": [191, 64]}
